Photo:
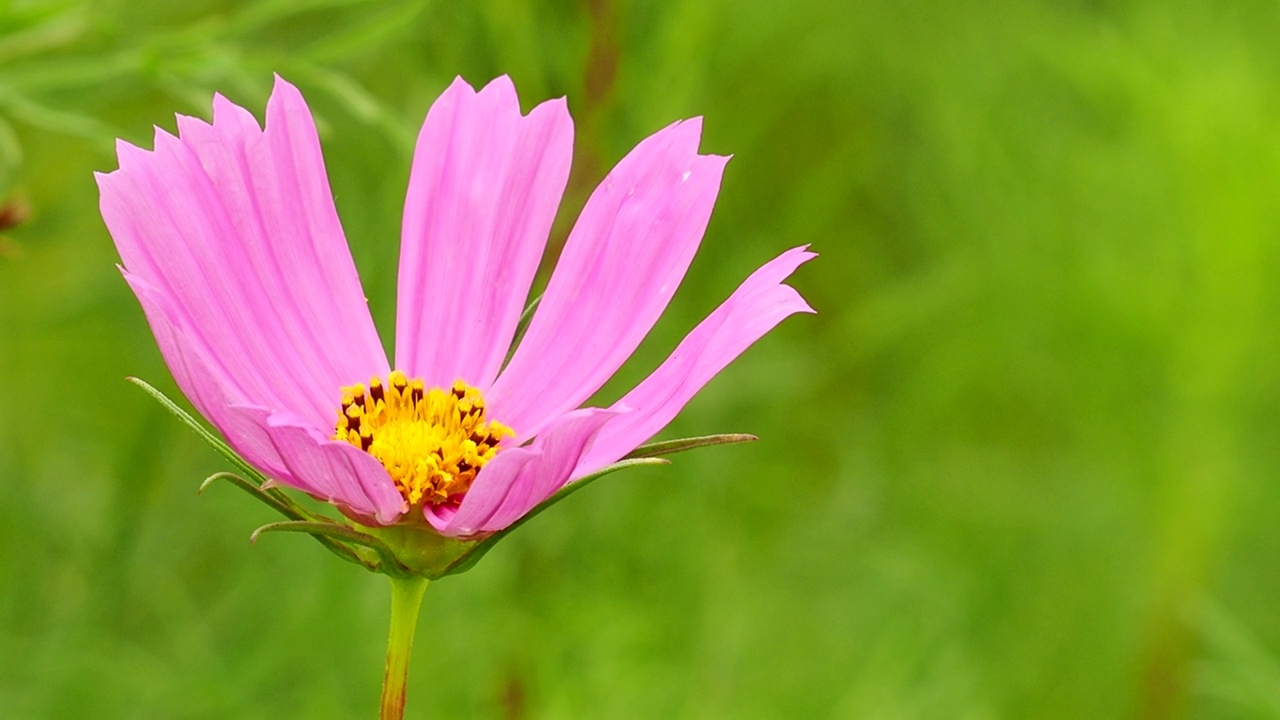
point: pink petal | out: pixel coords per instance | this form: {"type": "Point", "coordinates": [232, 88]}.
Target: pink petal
{"type": "Point", "coordinates": [483, 192]}
{"type": "Point", "coordinates": [622, 263]}
{"type": "Point", "coordinates": [515, 481]}
{"type": "Point", "coordinates": [203, 387]}
{"type": "Point", "coordinates": [280, 444]}
{"type": "Point", "coordinates": [563, 445]}
{"type": "Point", "coordinates": [759, 304]}
{"type": "Point", "coordinates": [236, 228]}
{"type": "Point", "coordinates": [336, 471]}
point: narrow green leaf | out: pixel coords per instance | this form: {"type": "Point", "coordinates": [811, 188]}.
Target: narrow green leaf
{"type": "Point", "coordinates": [241, 483]}
{"type": "Point", "coordinates": [252, 481]}
{"type": "Point", "coordinates": [249, 472]}
{"type": "Point", "coordinates": [521, 327]}
{"type": "Point", "coordinates": [277, 501]}
{"type": "Point", "coordinates": [467, 561]}
{"type": "Point", "coordinates": [390, 565]}
{"type": "Point", "coordinates": [289, 509]}
{"type": "Point", "coordinates": [525, 317]}
{"type": "Point", "coordinates": [670, 447]}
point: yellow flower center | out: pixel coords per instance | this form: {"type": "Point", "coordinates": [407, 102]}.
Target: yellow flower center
{"type": "Point", "coordinates": [431, 441]}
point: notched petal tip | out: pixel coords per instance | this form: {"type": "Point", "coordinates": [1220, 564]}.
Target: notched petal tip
{"type": "Point", "coordinates": [720, 161]}
{"type": "Point", "coordinates": [226, 112]}
{"type": "Point", "coordinates": [129, 156]}
{"type": "Point", "coordinates": [167, 147]}
{"type": "Point", "coordinates": [160, 135]}
{"type": "Point", "coordinates": [285, 106]}
{"type": "Point", "coordinates": [680, 137]}
{"type": "Point", "coordinates": [189, 125]}
{"type": "Point", "coordinates": [553, 112]}
{"type": "Point", "coordinates": [710, 167]}
{"type": "Point", "coordinates": [781, 268]}
{"type": "Point", "coordinates": [459, 85]}
{"type": "Point", "coordinates": [282, 86]}
{"type": "Point", "coordinates": [503, 87]}
{"type": "Point", "coordinates": [557, 104]}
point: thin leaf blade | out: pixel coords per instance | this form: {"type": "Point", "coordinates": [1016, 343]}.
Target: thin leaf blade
{"type": "Point", "coordinates": [670, 447]}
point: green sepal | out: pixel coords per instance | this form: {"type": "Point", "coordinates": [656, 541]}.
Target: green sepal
{"type": "Point", "coordinates": [468, 560]}
{"type": "Point", "coordinates": [287, 508]}
{"type": "Point", "coordinates": [273, 499]}
{"type": "Point", "coordinates": [386, 561]}
{"type": "Point", "coordinates": [223, 449]}
{"type": "Point", "coordinates": [670, 447]}
{"type": "Point", "coordinates": [253, 482]}
{"type": "Point", "coordinates": [249, 480]}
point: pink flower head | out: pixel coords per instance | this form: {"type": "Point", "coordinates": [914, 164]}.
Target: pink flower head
{"type": "Point", "coordinates": [229, 238]}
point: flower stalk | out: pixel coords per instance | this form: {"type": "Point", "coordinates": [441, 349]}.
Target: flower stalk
{"type": "Point", "coordinates": [406, 599]}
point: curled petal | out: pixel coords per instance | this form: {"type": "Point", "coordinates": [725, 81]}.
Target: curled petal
{"type": "Point", "coordinates": [759, 304]}
{"type": "Point", "coordinates": [621, 264]}
{"type": "Point", "coordinates": [335, 471]}
{"type": "Point", "coordinates": [515, 481]}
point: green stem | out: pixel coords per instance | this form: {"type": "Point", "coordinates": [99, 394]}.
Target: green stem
{"type": "Point", "coordinates": [406, 598]}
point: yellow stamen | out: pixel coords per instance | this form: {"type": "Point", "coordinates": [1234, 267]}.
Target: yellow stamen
{"type": "Point", "coordinates": [431, 441]}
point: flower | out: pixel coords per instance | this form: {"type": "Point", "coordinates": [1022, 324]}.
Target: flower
{"type": "Point", "coordinates": [230, 239]}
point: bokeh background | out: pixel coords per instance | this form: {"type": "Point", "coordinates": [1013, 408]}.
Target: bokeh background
{"type": "Point", "coordinates": [1024, 463]}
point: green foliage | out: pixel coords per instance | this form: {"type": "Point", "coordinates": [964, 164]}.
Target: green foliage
{"type": "Point", "coordinates": [1023, 462]}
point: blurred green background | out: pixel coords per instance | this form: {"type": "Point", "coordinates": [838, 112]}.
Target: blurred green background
{"type": "Point", "coordinates": [1024, 463]}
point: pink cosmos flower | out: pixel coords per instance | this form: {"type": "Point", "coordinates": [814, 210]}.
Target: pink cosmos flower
{"type": "Point", "coordinates": [231, 242]}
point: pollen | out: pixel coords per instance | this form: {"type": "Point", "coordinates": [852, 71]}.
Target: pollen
{"type": "Point", "coordinates": [432, 441]}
